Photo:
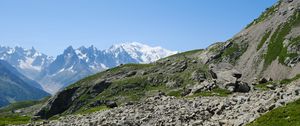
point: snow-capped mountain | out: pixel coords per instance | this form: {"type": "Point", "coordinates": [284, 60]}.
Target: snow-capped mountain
{"type": "Point", "coordinates": [29, 62]}
{"type": "Point", "coordinates": [75, 64]}
{"type": "Point", "coordinates": [141, 53]}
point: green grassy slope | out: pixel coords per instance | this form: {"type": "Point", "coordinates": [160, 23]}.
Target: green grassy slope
{"type": "Point", "coordinates": [288, 115]}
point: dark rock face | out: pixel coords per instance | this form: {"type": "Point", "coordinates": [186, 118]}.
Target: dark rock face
{"type": "Point", "coordinates": [68, 99]}
{"type": "Point", "coordinates": [99, 87]}
{"type": "Point", "coordinates": [58, 104]}
{"type": "Point", "coordinates": [242, 87]}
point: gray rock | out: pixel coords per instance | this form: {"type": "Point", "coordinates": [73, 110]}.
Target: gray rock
{"type": "Point", "coordinates": [263, 80]}
{"type": "Point", "coordinates": [198, 76]}
{"type": "Point", "coordinates": [173, 84]}
{"type": "Point", "coordinates": [242, 87]}
{"type": "Point", "coordinates": [130, 74]}
{"type": "Point", "coordinates": [271, 86]}
{"type": "Point", "coordinates": [111, 104]}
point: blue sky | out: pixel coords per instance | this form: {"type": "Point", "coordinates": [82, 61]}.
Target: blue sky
{"type": "Point", "coordinates": [52, 25]}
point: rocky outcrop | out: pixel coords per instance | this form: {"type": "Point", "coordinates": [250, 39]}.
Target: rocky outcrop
{"type": "Point", "coordinates": [69, 99]}
{"type": "Point", "coordinates": [228, 77]}
{"type": "Point", "coordinates": [57, 104]}
{"type": "Point", "coordinates": [236, 110]}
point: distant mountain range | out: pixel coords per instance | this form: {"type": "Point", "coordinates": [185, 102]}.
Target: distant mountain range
{"type": "Point", "coordinates": [75, 64]}
{"type": "Point", "coordinates": [16, 87]}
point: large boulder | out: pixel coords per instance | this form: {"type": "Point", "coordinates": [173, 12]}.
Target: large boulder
{"type": "Point", "coordinates": [228, 77]}
{"type": "Point", "coordinates": [204, 86]}
{"type": "Point", "coordinates": [68, 100]}
{"type": "Point", "coordinates": [57, 104]}
{"type": "Point", "coordinates": [242, 87]}
{"type": "Point", "coordinates": [225, 74]}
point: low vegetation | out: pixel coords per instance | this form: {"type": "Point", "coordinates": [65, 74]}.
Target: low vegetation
{"type": "Point", "coordinates": [184, 54]}
{"type": "Point", "coordinates": [276, 48]}
{"type": "Point", "coordinates": [288, 81]}
{"type": "Point", "coordinates": [13, 120]}
{"type": "Point", "coordinates": [264, 39]}
{"type": "Point", "coordinates": [94, 109]}
{"type": "Point", "coordinates": [264, 86]}
{"type": "Point", "coordinates": [288, 115]}
{"type": "Point", "coordinates": [215, 92]}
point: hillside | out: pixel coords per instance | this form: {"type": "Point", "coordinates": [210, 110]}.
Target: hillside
{"type": "Point", "coordinates": [16, 87]}
{"type": "Point", "coordinates": [229, 83]}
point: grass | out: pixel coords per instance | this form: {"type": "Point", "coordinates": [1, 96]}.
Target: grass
{"type": "Point", "coordinates": [276, 48]}
{"type": "Point", "coordinates": [184, 54]}
{"type": "Point", "coordinates": [216, 47]}
{"type": "Point", "coordinates": [13, 120]}
{"type": "Point", "coordinates": [92, 110]}
{"type": "Point", "coordinates": [9, 118]}
{"type": "Point", "coordinates": [231, 50]}
{"type": "Point", "coordinates": [91, 78]}
{"type": "Point", "coordinates": [234, 51]}
{"type": "Point", "coordinates": [128, 89]}
{"type": "Point", "coordinates": [263, 86]}
{"type": "Point", "coordinates": [175, 93]}
{"type": "Point", "coordinates": [295, 41]}
{"type": "Point", "coordinates": [22, 104]}
{"type": "Point", "coordinates": [19, 105]}
{"type": "Point", "coordinates": [288, 115]}
{"type": "Point", "coordinates": [284, 81]}
{"type": "Point", "coordinates": [215, 92]}
{"type": "Point", "coordinates": [130, 65]}
{"type": "Point", "coordinates": [264, 39]}
{"type": "Point", "coordinates": [288, 81]}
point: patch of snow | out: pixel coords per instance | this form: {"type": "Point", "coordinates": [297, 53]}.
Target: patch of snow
{"type": "Point", "coordinates": [27, 64]}
{"type": "Point", "coordinates": [11, 51]}
{"type": "Point", "coordinates": [141, 52]}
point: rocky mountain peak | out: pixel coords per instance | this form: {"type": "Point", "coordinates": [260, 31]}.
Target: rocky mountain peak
{"type": "Point", "coordinates": [69, 50]}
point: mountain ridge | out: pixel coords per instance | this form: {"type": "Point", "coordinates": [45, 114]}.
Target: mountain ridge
{"type": "Point", "coordinates": [74, 64]}
{"type": "Point", "coordinates": [16, 87]}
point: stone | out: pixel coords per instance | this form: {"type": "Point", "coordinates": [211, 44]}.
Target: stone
{"type": "Point", "coordinates": [111, 104]}
{"type": "Point", "coordinates": [271, 86]}
{"type": "Point", "coordinates": [97, 103]}
{"type": "Point", "coordinates": [130, 74]}
{"type": "Point", "coordinates": [237, 75]}
{"type": "Point", "coordinates": [186, 92]}
{"type": "Point", "coordinates": [172, 84]}
{"type": "Point", "coordinates": [272, 107]}
{"type": "Point", "coordinates": [263, 80]}
{"type": "Point", "coordinates": [242, 87]}
{"type": "Point", "coordinates": [194, 61]}
{"type": "Point", "coordinates": [297, 92]}
{"type": "Point", "coordinates": [198, 76]}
